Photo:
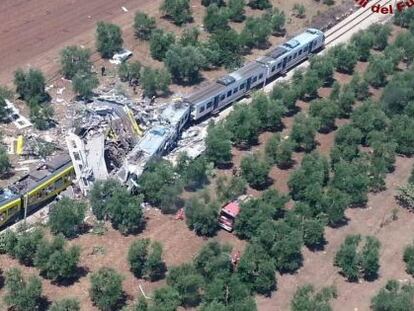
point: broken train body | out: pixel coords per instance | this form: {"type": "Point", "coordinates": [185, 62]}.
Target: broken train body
{"type": "Point", "coordinates": [162, 135]}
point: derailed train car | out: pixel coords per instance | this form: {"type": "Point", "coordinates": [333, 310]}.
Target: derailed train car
{"type": "Point", "coordinates": [35, 189]}
{"type": "Point", "coordinates": [215, 96]}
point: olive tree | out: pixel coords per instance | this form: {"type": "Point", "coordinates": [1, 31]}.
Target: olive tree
{"type": "Point", "coordinates": [108, 39]}
{"type": "Point", "coordinates": [106, 288]}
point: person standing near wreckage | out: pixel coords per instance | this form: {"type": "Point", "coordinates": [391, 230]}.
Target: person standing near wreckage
{"type": "Point", "coordinates": [103, 69]}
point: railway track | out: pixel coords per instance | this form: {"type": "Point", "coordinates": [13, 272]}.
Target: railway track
{"type": "Point", "coordinates": [338, 31]}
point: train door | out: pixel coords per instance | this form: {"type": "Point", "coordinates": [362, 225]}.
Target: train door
{"type": "Point", "coordinates": [216, 101]}
{"type": "Point", "coordinates": [310, 47]}
{"type": "Point", "coordinates": [248, 83]}
{"type": "Point", "coordinates": [284, 63]}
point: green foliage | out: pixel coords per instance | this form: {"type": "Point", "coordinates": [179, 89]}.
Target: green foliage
{"type": "Point", "coordinates": [253, 213]}
{"type": "Point", "coordinates": [216, 18]}
{"type": "Point", "coordinates": [369, 118]}
{"type": "Point", "coordinates": [279, 151]}
{"type": "Point", "coordinates": [160, 42]}
{"type": "Point", "coordinates": [256, 32]}
{"type": "Point", "coordinates": [74, 59]}
{"type": "Point", "coordinates": [109, 200]}
{"type": "Point", "coordinates": [145, 259]}
{"type": "Point", "coordinates": [160, 184]}
{"type": "Point", "coordinates": [405, 41]}
{"type": "Point", "coordinates": [178, 11]}
{"type": "Point", "coordinates": [259, 4]}
{"type": "Point", "coordinates": [244, 124]}
{"type": "Point", "coordinates": [378, 69]}
{"type": "Point", "coordinates": [255, 171]}
{"type": "Point", "coordinates": [380, 35]}
{"type": "Point", "coordinates": [299, 10]}
{"type": "Point", "coordinates": [324, 111]}
{"type": "Point", "coordinates": [66, 216]}
{"type": "Point", "coordinates": [187, 282]}
{"type": "Point", "coordinates": [403, 18]}
{"type": "Point", "coordinates": [154, 81]}
{"type": "Point", "coordinates": [314, 171]}
{"type": "Point", "coordinates": [68, 304]}
{"type": "Point", "coordinates": [257, 269]}
{"type": "Point", "coordinates": [370, 258]}
{"type": "Point", "coordinates": [108, 39]}
{"type": "Point", "coordinates": [307, 299]}
{"type": "Point", "coordinates": [347, 258]}
{"type": "Point", "coordinates": [352, 179]}
{"type": "Point", "coordinates": [323, 66]}
{"type": "Point", "coordinates": [269, 111]}
{"type": "Point", "coordinates": [228, 44]}
{"type": "Point", "coordinates": [106, 288]}
{"type": "Point", "coordinates": [288, 94]}
{"type": "Point", "coordinates": [405, 196]}
{"type": "Point", "coordinates": [303, 133]}
{"type": "Point", "coordinates": [345, 58]}
{"type": "Point", "coordinates": [394, 296]}
{"type": "Point", "coordinates": [400, 130]}
{"type": "Point", "coordinates": [9, 242]}
{"type": "Point", "coordinates": [334, 202]}
{"type": "Point", "coordinates": [185, 63]}
{"type": "Point", "coordinates": [310, 85]}
{"type": "Point", "coordinates": [354, 264]}
{"type": "Point", "coordinates": [236, 10]}
{"type": "Point", "coordinates": [363, 41]}
{"type": "Point", "coordinates": [230, 189]}
{"type": "Point", "coordinates": [5, 164]}
{"type": "Point", "coordinates": [143, 25]}
{"type": "Point", "coordinates": [56, 263]}
{"type": "Point", "coordinates": [165, 299]}
{"type": "Point", "coordinates": [359, 86]}
{"type": "Point", "coordinates": [22, 294]}
{"type": "Point", "coordinates": [128, 71]}
{"type": "Point", "coordinates": [30, 85]}
{"type": "Point", "coordinates": [190, 37]}
{"type": "Point", "coordinates": [25, 248]}
{"type": "Point", "coordinates": [408, 258]}
{"type": "Point", "coordinates": [193, 171]}
{"type": "Point", "coordinates": [83, 84]}
{"type": "Point", "coordinates": [313, 233]}
{"type": "Point", "coordinates": [202, 217]}
{"type": "Point", "coordinates": [346, 148]}
{"type": "Point", "coordinates": [218, 144]}
{"type": "Point", "coordinates": [207, 3]}
{"type": "Point", "coordinates": [277, 21]}
{"type": "Point", "coordinates": [213, 261]}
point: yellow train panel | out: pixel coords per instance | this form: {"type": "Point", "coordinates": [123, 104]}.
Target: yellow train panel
{"type": "Point", "coordinates": [9, 209]}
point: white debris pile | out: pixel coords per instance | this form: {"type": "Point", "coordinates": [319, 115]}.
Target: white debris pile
{"type": "Point", "coordinates": [18, 120]}
{"type": "Point", "coordinates": [192, 143]}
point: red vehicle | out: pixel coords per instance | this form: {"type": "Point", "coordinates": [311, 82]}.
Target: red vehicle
{"type": "Point", "coordinates": [229, 213]}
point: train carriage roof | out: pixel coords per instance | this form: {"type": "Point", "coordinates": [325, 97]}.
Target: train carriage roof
{"type": "Point", "coordinates": [205, 93]}
{"type": "Point", "coordinates": [246, 71]}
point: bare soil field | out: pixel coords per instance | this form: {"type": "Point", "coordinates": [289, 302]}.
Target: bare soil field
{"type": "Point", "coordinates": [33, 32]}
{"type": "Point", "coordinates": [180, 245]}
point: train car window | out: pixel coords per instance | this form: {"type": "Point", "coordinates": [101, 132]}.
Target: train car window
{"type": "Point", "coordinates": [201, 109]}
{"type": "Point", "coordinates": [279, 65]}
{"type": "Point", "coordinates": [273, 68]}
{"type": "Point", "coordinates": [2, 217]}
{"type": "Point", "coordinates": [209, 105]}
{"type": "Point", "coordinates": [235, 90]}
{"type": "Point", "coordinates": [229, 93]}
{"type": "Point", "coordinates": [242, 86]}
{"type": "Point", "coordinates": [254, 80]}
{"type": "Point", "coordinates": [289, 58]}
{"type": "Point", "coordinates": [222, 97]}
{"type": "Point", "coordinates": [59, 183]}
{"type": "Point", "coordinates": [261, 76]}
{"type": "Point", "coordinates": [296, 54]}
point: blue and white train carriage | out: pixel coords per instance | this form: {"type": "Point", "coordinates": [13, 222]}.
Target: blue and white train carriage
{"type": "Point", "coordinates": [227, 89]}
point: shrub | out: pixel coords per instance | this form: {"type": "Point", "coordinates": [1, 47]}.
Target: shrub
{"type": "Point", "coordinates": [106, 288]}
